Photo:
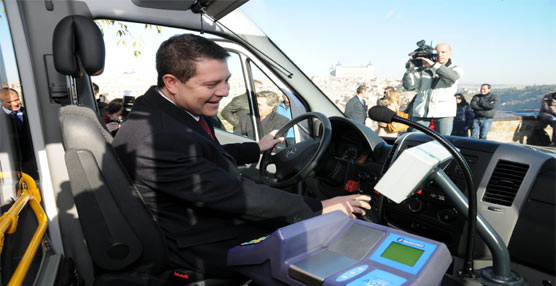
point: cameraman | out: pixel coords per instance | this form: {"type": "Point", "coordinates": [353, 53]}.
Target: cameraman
{"type": "Point", "coordinates": [436, 84]}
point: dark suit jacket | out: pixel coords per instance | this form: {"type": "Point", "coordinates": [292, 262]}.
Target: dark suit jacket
{"type": "Point", "coordinates": [235, 109]}
{"type": "Point", "coordinates": [355, 110]}
{"type": "Point", "coordinates": [273, 121]}
{"type": "Point", "coordinates": [20, 135]}
{"type": "Point", "coordinates": [191, 183]}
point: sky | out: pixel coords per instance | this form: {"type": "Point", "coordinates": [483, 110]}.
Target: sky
{"type": "Point", "coordinates": [502, 42]}
{"type": "Point", "coordinates": [496, 41]}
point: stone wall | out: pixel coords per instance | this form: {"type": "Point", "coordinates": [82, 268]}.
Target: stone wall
{"type": "Point", "coordinates": [518, 129]}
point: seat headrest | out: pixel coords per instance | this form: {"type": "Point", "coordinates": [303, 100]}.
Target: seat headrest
{"type": "Point", "coordinates": [78, 39]}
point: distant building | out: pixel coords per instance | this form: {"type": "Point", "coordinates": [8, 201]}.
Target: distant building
{"type": "Point", "coordinates": [339, 70]}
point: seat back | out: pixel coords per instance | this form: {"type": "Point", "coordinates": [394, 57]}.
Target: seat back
{"type": "Point", "coordinates": [120, 231]}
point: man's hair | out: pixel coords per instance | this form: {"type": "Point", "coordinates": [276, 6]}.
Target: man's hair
{"type": "Point", "coordinates": [361, 88]}
{"type": "Point", "coordinates": [9, 89]}
{"type": "Point", "coordinates": [114, 106]}
{"type": "Point", "coordinates": [272, 98]}
{"type": "Point", "coordinates": [179, 55]}
{"type": "Point", "coordinates": [489, 87]}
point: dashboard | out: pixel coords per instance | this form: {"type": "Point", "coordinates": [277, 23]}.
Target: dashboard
{"type": "Point", "coordinates": [515, 187]}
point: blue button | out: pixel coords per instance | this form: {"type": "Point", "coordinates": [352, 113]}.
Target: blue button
{"type": "Point", "coordinates": [378, 278]}
{"type": "Point", "coordinates": [352, 273]}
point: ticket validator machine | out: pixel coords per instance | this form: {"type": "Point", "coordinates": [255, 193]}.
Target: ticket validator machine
{"type": "Point", "coordinates": [333, 249]}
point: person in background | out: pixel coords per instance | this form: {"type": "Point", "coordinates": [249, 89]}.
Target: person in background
{"type": "Point", "coordinates": [391, 100]}
{"type": "Point", "coordinates": [101, 103]}
{"type": "Point", "coordinates": [113, 116]}
{"type": "Point", "coordinates": [20, 132]}
{"type": "Point", "coordinates": [11, 104]}
{"type": "Point", "coordinates": [267, 102]}
{"type": "Point", "coordinates": [547, 113]}
{"type": "Point", "coordinates": [435, 83]}
{"type": "Point", "coordinates": [464, 117]}
{"type": "Point", "coordinates": [191, 182]}
{"type": "Point", "coordinates": [484, 107]}
{"type": "Point", "coordinates": [409, 108]}
{"type": "Point", "coordinates": [239, 106]}
{"type": "Point", "coordinates": [356, 107]}
{"type": "Point", "coordinates": [284, 109]}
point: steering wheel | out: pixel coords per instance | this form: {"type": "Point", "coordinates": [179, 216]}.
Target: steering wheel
{"type": "Point", "coordinates": [298, 161]}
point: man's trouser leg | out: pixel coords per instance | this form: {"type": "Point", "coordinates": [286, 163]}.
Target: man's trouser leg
{"type": "Point", "coordinates": [475, 128]}
{"type": "Point", "coordinates": [485, 127]}
{"type": "Point", "coordinates": [444, 125]}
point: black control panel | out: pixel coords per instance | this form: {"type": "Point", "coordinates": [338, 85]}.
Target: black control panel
{"type": "Point", "coordinates": [429, 212]}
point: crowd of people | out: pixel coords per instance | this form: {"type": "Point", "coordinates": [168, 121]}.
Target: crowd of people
{"type": "Point", "coordinates": [436, 103]}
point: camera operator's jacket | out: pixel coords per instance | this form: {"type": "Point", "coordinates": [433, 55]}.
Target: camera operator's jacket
{"type": "Point", "coordinates": [435, 87]}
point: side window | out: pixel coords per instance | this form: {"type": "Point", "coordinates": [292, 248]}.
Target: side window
{"type": "Point", "coordinates": [273, 105]}
{"type": "Point", "coordinates": [235, 107]}
{"type": "Point", "coordinates": [130, 70]}
{"type": "Point", "coordinates": [16, 148]}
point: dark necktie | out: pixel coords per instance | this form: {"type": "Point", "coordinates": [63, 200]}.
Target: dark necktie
{"type": "Point", "coordinates": [205, 126]}
{"type": "Point", "coordinates": [18, 118]}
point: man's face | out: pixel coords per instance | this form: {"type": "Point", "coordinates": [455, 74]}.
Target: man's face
{"type": "Point", "coordinates": [444, 53]}
{"type": "Point", "coordinates": [365, 92]}
{"type": "Point", "coordinates": [258, 86]}
{"type": "Point", "coordinates": [264, 108]}
{"type": "Point", "coordinates": [485, 89]}
{"type": "Point", "coordinates": [201, 94]}
{"type": "Point", "coordinates": [10, 100]}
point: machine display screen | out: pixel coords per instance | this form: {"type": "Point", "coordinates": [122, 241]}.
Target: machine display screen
{"type": "Point", "coordinates": [402, 253]}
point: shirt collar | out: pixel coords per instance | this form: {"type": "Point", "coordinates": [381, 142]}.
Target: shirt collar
{"type": "Point", "coordinates": [164, 96]}
{"type": "Point", "coordinates": [7, 111]}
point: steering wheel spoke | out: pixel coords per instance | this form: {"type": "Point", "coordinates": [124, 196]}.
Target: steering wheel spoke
{"type": "Point", "coordinates": [298, 161]}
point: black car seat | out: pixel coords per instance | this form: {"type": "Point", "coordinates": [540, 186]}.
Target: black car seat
{"type": "Point", "coordinates": [124, 241]}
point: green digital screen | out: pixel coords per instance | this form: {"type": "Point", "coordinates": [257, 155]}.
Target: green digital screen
{"type": "Point", "coordinates": [402, 254]}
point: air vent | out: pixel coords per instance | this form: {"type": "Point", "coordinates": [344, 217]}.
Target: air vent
{"type": "Point", "coordinates": [505, 182]}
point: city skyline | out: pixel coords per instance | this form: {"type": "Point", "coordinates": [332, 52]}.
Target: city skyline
{"type": "Point", "coordinates": [502, 42]}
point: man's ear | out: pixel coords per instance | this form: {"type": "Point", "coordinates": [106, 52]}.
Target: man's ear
{"type": "Point", "coordinates": [171, 83]}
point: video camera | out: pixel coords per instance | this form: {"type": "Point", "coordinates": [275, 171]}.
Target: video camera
{"type": "Point", "coordinates": [423, 51]}
{"type": "Point", "coordinates": [127, 105]}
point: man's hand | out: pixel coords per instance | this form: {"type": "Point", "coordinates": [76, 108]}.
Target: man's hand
{"type": "Point", "coordinates": [268, 141]}
{"type": "Point", "coordinates": [426, 62]}
{"type": "Point", "coordinates": [350, 205]}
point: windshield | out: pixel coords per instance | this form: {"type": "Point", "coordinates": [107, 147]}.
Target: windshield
{"type": "Point", "coordinates": [341, 45]}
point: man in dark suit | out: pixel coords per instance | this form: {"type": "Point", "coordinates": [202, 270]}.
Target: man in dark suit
{"type": "Point", "coordinates": [267, 102]}
{"type": "Point", "coordinates": [356, 108]}
{"type": "Point", "coordinates": [191, 182]}
{"type": "Point", "coordinates": [239, 106]}
{"type": "Point", "coordinates": [19, 132]}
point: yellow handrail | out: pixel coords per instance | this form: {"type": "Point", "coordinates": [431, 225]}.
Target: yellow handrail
{"type": "Point", "coordinates": [27, 193]}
